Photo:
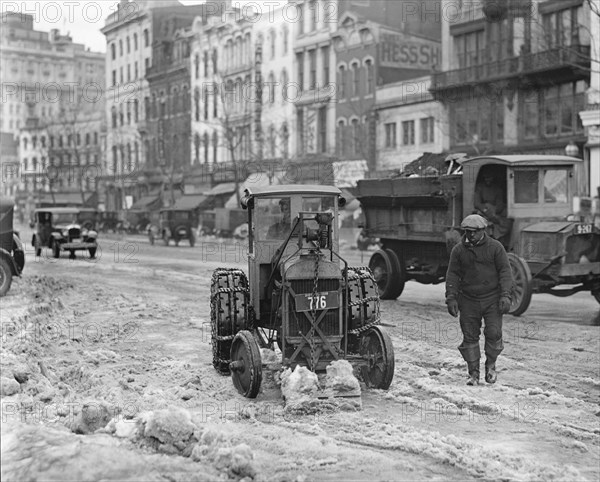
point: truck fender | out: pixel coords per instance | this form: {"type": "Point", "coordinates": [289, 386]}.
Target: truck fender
{"type": "Point", "coordinates": [11, 262]}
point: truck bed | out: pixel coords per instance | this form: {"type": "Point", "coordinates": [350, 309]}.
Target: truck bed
{"type": "Point", "coordinates": [411, 209]}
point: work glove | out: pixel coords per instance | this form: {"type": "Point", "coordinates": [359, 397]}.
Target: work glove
{"type": "Point", "coordinates": [452, 307]}
{"type": "Point", "coordinates": [504, 305]}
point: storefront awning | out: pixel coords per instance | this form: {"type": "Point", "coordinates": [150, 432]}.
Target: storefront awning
{"type": "Point", "coordinates": [190, 201]}
{"type": "Point", "coordinates": [149, 203]}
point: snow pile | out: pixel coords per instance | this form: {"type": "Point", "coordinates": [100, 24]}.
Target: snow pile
{"type": "Point", "coordinates": [235, 460]}
{"type": "Point", "coordinates": [170, 430]}
{"type": "Point", "coordinates": [339, 389]}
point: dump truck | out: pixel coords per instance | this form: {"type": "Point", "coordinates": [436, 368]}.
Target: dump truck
{"type": "Point", "coordinates": [550, 238]}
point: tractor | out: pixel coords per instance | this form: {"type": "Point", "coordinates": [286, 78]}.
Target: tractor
{"type": "Point", "coordinates": [299, 295]}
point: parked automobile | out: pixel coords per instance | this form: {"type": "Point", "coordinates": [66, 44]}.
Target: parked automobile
{"type": "Point", "coordinates": [12, 255]}
{"type": "Point", "coordinates": [59, 230]}
{"type": "Point", "coordinates": [175, 224]}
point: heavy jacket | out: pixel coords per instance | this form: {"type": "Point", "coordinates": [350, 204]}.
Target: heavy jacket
{"type": "Point", "coordinates": [478, 271]}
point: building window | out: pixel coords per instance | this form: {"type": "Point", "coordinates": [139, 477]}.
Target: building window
{"type": "Point", "coordinates": [215, 100]}
{"type": "Point", "coordinates": [197, 66]}
{"type": "Point", "coordinates": [370, 84]}
{"type": "Point", "coordinates": [322, 129]}
{"type": "Point", "coordinates": [300, 62]}
{"type": "Point", "coordinates": [128, 44]}
{"type": "Point", "coordinates": [113, 51]}
{"type": "Point", "coordinates": [114, 77]}
{"type": "Point", "coordinates": [87, 138]}
{"type": "Point", "coordinates": [561, 28]}
{"type": "Point", "coordinates": [135, 70]}
{"type": "Point", "coordinates": [340, 137]}
{"type": "Point", "coordinates": [146, 65]}
{"type": "Point", "coordinates": [95, 138]}
{"type": "Point", "coordinates": [215, 139]}
{"type": "Point", "coordinates": [390, 135]}
{"type": "Point", "coordinates": [356, 137]}
{"type": "Point", "coordinates": [113, 111]}
{"type": "Point", "coordinates": [355, 80]}
{"type": "Point", "coordinates": [427, 125]}
{"type": "Point", "coordinates": [206, 145]}
{"type": "Point", "coordinates": [325, 55]}
{"type": "Point", "coordinates": [408, 133]}
{"type": "Point", "coordinates": [120, 47]}
{"type": "Point", "coordinates": [284, 34]}
{"type": "Point", "coordinates": [272, 43]}
{"type": "Point", "coordinates": [284, 85]}
{"type": "Point", "coordinates": [271, 88]}
{"type": "Point", "coordinates": [300, 130]}
{"type": "Point", "coordinates": [313, 15]}
{"type": "Point", "coordinates": [205, 101]}
{"type": "Point", "coordinates": [135, 110]}
{"type": "Point", "coordinates": [215, 59]}
{"type": "Point", "coordinates": [561, 107]}
{"type": "Point", "coordinates": [300, 17]}
{"type": "Point", "coordinates": [469, 49]}
{"type": "Point", "coordinates": [342, 82]}
{"type": "Point", "coordinates": [205, 63]}
{"type": "Point", "coordinates": [135, 41]}
{"type": "Point", "coordinates": [146, 38]}
{"type": "Point", "coordinates": [312, 56]}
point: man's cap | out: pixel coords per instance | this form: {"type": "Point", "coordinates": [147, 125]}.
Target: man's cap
{"type": "Point", "coordinates": [473, 221]}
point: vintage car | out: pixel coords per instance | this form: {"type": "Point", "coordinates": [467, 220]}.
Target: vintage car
{"type": "Point", "coordinates": [174, 224]}
{"type": "Point", "coordinates": [12, 255]}
{"type": "Point", "coordinates": [59, 230]}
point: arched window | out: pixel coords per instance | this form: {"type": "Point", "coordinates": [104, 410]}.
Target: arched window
{"type": "Point", "coordinates": [370, 83]}
{"type": "Point", "coordinates": [355, 79]}
{"type": "Point", "coordinates": [341, 82]}
{"type": "Point", "coordinates": [356, 137]}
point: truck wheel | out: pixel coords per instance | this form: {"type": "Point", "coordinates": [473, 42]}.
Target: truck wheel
{"type": "Point", "coordinates": [5, 277]}
{"type": "Point", "coordinates": [387, 272]}
{"type": "Point", "coordinates": [55, 250]}
{"type": "Point", "coordinates": [377, 351]}
{"type": "Point", "coordinates": [228, 313]}
{"type": "Point", "coordinates": [246, 365]}
{"type": "Point", "coordinates": [523, 286]}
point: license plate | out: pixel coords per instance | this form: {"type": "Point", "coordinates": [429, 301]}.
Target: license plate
{"type": "Point", "coordinates": [584, 228]}
{"type": "Point", "coordinates": [318, 301]}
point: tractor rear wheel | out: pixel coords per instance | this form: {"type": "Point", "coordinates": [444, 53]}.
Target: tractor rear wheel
{"type": "Point", "coordinates": [228, 313]}
{"type": "Point", "coordinates": [5, 276]}
{"type": "Point", "coordinates": [388, 274]}
{"type": "Point", "coordinates": [523, 286]}
{"type": "Point", "coordinates": [246, 364]}
{"type": "Point", "coordinates": [378, 352]}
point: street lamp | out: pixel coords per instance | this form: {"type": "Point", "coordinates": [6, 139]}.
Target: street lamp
{"type": "Point", "coordinates": [571, 149]}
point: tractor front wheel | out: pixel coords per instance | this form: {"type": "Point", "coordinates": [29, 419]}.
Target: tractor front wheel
{"type": "Point", "coordinates": [246, 364]}
{"type": "Point", "coordinates": [377, 351]}
{"type": "Point", "coordinates": [523, 286]}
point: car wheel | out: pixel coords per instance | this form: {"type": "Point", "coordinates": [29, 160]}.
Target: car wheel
{"type": "Point", "coordinates": [92, 252]}
{"type": "Point", "coordinates": [5, 277]}
{"type": "Point", "coordinates": [55, 250]}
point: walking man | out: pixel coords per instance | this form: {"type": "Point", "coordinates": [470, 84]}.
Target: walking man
{"type": "Point", "coordinates": [478, 285]}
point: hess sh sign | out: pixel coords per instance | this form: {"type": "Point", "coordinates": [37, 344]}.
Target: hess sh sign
{"type": "Point", "coordinates": [401, 52]}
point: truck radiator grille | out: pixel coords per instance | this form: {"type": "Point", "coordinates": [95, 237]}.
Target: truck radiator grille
{"type": "Point", "coordinates": [297, 320]}
{"type": "Point", "coordinates": [583, 248]}
{"type": "Point", "coordinates": [74, 233]}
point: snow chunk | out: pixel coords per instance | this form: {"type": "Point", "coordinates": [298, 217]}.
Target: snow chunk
{"type": "Point", "coordinates": [340, 377]}
{"type": "Point", "coordinates": [170, 427]}
{"type": "Point", "coordinates": [9, 386]}
{"type": "Point", "coordinates": [300, 386]}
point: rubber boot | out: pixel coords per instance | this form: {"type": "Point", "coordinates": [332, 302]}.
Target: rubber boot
{"type": "Point", "coordinates": [490, 371]}
{"type": "Point", "coordinates": [471, 354]}
{"type": "Point", "coordinates": [473, 368]}
{"type": "Point", "coordinates": [492, 350]}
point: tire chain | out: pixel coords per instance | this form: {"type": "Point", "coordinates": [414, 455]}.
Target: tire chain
{"type": "Point", "coordinates": [214, 307]}
{"type": "Point", "coordinates": [313, 361]}
{"type": "Point", "coordinates": [364, 273]}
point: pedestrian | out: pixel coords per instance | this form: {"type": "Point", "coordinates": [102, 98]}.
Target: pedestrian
{"type": "Point", "coordinates": [478, 286]}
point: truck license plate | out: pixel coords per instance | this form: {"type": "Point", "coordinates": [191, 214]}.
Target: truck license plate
{"type": "Point", "coordinates": [318, 301]}
{"type": "Point", "coordinates": [584, 229]}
